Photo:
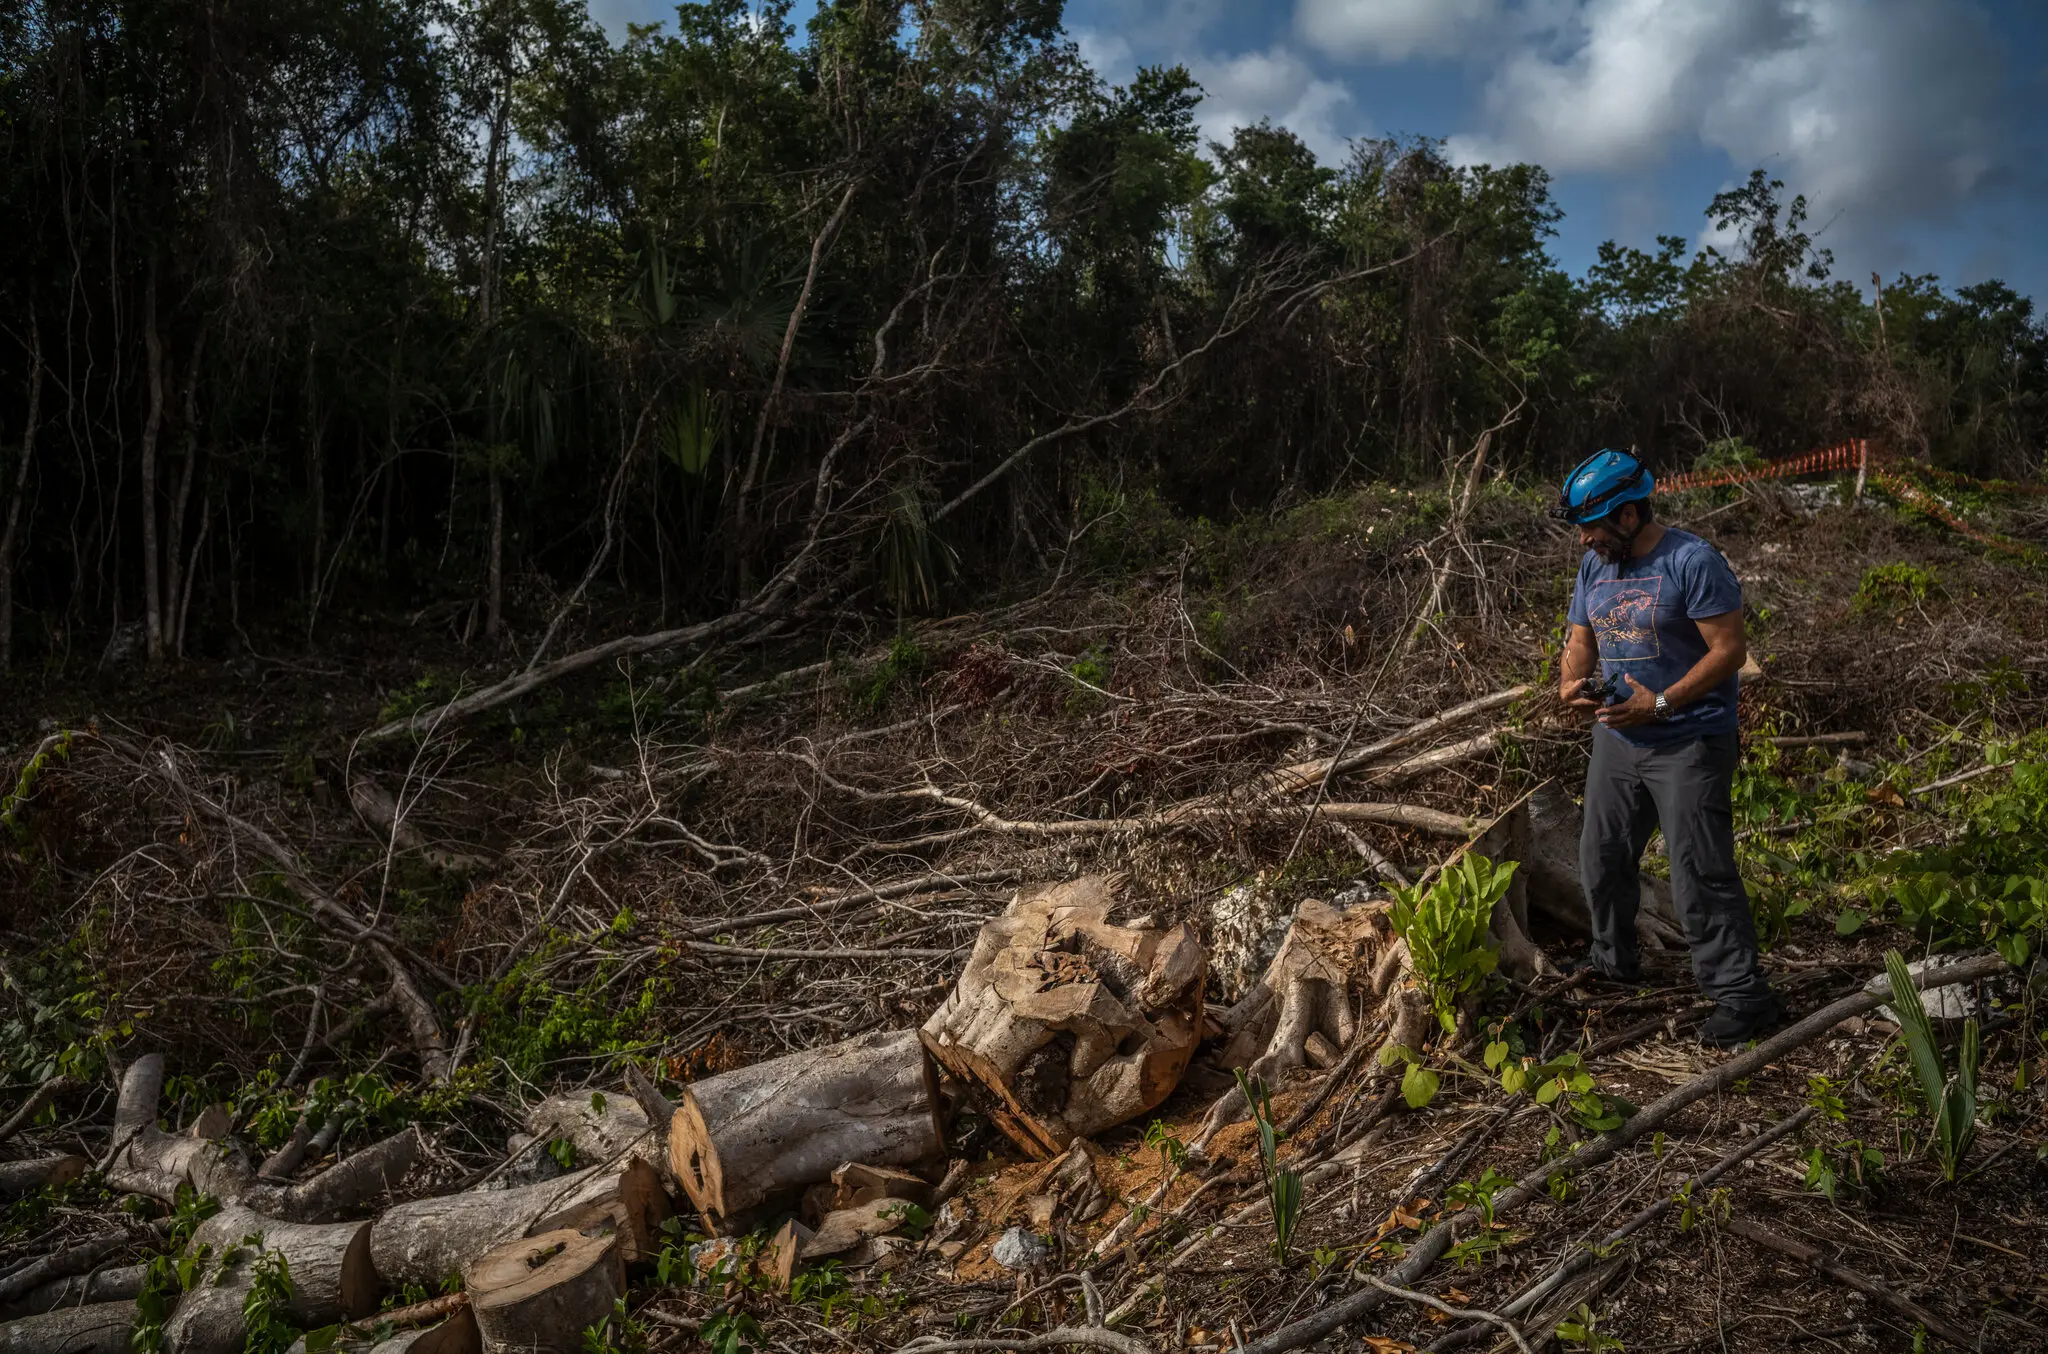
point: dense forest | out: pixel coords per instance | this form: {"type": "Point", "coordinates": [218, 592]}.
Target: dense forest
{"type": "Point", "coordinates": [459, 305]}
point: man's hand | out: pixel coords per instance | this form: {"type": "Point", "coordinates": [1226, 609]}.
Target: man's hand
{"type": "Point", "coordinates": [1573, 693]}
{"type": "Point", "coordinates": [1639, 708]}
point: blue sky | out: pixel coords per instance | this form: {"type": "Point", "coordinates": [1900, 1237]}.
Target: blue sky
{"type": "Point", "coordinates": [1916, 128]}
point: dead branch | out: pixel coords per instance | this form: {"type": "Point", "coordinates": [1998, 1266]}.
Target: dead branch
{"type": "Point", "coordinates": [1427, 1251]}
{"type": "Point", "coordinates": [1849, 1278]}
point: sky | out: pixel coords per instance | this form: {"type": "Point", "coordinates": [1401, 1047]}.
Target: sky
{"type": "Point", "coordinates": [1917, 129]}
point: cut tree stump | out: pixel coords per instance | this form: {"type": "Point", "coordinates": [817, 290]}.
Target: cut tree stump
{"type": "Point", "coordinates": [1332, 962]}
{"type": "Point", "coordinates": [537, 1295]}
{"type": "Point", "coordinates": [99, 1329]}
{"type": "Point", "coordinates": [427, 1240]}
{"type": "Point", "coordinates": [332, 1277]}
{"type": "Point", "coordinates": [18, 1178]}
{"type": "Point", "coordinates": [1071, 1023]}
{"type": "Point", "coordinates": [743, 1137]}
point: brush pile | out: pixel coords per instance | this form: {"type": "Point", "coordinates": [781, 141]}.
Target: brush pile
{"type": "Point", "coordinates": [1083, 973]}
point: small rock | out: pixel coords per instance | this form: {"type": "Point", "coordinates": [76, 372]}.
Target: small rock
{"type": "Point", "coordinates": [1019, 1250]}
{"type": "Point", "coordinates": [1942, 1003]}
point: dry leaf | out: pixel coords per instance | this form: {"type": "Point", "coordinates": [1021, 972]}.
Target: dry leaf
{"type": "Point", "coordinates": [1381, 1344]}
{"type": "Point", "coordinates": [1885, 794]}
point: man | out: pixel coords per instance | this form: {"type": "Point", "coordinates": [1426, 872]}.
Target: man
{"type": "Point", "coordinates": [1660, 613]}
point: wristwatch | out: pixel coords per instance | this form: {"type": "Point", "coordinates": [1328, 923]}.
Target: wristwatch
{"type": "Point", "coordinates": [1663, 707]}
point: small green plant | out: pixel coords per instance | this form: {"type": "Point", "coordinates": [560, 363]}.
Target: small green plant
{"type": "Point", "coordinates": [266, 1311]}
{"type": "Point", "coordinates": [1951, 1101]}
{"type": "Point", "coordinates": [1822, 1096]}
{"type": "Point", "coordinates": [1693, 1210]}
{"type": "Point", "coordinates": [1848, 1164]}
{"type": "Point", "coordinates": [1480, 1193]}
{"type": "Point", "coordinates": [730, 1333]}
{"type": "Point", "coordinates": [1160, 1137]}
{"type": "Point", "coordinates": [1582, 1328]}
{"type": "Point", "coordinates": [1283, 1187]}
{"type": "Point", "coordinates": [564, 1153]}
{"type": "Point", "coordinates": [1894, 585]}
{"type": "Point", "coordinates": [825, 1286]}
{"type": "Point", "coordinates": [1445, 928]}
{"type": "Point", "coordinates": [618, 1333]}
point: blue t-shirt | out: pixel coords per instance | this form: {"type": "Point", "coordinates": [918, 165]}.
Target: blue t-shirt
{"type": "Point", "coordinates": [1643, 613]}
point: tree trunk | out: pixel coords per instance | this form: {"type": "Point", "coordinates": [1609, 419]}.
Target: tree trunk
{"type": "Point", "coordinates": [538, 1296]}
{"type": "Point", "coordinates": [743, 1137]}
{"type": "Point", "coordinates": [494, 598]}
{"type": "Point", "coordinates": [152, 428]}
{"type": "Point", "coordinates": [26, 1177]}
{"type": "Point", "coordinates": [79, 1290]}
{"type": "Point", "coordinates": [174, 527]}
{"type": "Point", "coordinates": [426, 1241]}
{"type": "Point", "coordinates": [596, 1135]}
{"type": "Point", "coordinates": [456, 1335]}
{"type": "Point", "coordinates": [1073, 1024]}
{"type": "Point", "coordinates": [149, 1161]}
{"type": "Point", "coordinates": [332, 1277]}
{"type": "Point", "coordinates": [99, 1329]}
{"type": "Point", "coordinates": [8, 535]}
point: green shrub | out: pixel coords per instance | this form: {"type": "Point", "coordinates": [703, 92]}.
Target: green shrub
{"type": "Point", "coordinates": [1887, 586]}
{"type": "Point", "coordinates": [1445, 928]}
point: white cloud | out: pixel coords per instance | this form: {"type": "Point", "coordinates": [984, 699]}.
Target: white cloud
{"type": "Point", "coordinates": [1108, 55]}
{"type": "Point", "coordinates": [1877, 110]}
{"type": "Point", "coordinates": [1274, 84]}
{"type": "Point", "coordinates": [1394, 30]}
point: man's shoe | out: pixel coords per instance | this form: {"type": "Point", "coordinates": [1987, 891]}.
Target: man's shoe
{"type": "Point", "coordinates": [1585, 970]}
{"type": "Point", "coordinates": [1734, 1026]}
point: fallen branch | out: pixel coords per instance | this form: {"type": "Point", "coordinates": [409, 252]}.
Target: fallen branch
{"type": "Point", "coordinates": [39, 1097]}
{"type": "Point", "coordinates": [836, 903]}
{"type": "Point", "coordinates": [1431, 1247]}
{"type": "Point", "coordinates": [711, 951]}
{"type": "Point", "coordinates": [18, 1178]}
{"type": "Point", "coordinates": [1060, 1337]}
{"type": "Point", "coordinates": [1849, 1278]}
{"type": "Point", "coordinates": [61, 1264]}
{"type": "Point", "coordinates": [1463, 1313]}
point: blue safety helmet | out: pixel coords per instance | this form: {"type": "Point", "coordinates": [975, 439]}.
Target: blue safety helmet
{"type": "Point", "coordinates": [1602, 483]}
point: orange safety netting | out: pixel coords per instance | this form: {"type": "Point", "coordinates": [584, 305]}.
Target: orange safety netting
{"type": "Point", "coordinates": [1859, 455]}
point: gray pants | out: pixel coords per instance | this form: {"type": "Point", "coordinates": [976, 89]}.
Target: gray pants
{"type": "Point", "coordinates": [1684, 788]}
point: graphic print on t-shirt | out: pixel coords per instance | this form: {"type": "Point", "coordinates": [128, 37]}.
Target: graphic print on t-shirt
{"type": "Point", "coordinates": [1624, 616]}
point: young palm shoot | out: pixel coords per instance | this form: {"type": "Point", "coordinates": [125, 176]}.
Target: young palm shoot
{"type": "Point", "coordinates": [1951, 1101]}
{"type": "Point", "coordinates": [1283, 1187]}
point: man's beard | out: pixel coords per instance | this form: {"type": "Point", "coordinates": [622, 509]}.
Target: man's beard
{"type": "Point", "coordinates": [1614, 552]}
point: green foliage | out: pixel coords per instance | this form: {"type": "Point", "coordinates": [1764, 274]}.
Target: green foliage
{"type": "Point", "coordinates": [1582, 1328]}
{"type": "Point", "coordinates": [266, 1310]}
{"type": "Point", "coordinates": [1848, 1164]}
{"type": "Point", "coordinates": [1730, 453]}
{"type": "Point", "coordinates": [1160, 1138]}
{"type": "Point", "coordinates": [1445, 927]}
{"type": "Point", "coordinates": [1693, 1211]}
{"type": "Point", "coordinates": [905, 662]}
{"type": "Point", "coordinates": [1283, 1187]}
{"type": "Point", "coordinates": [1480, 1193]}
{"type": "Point", "coordinates": [1563, 1081]}
{"type": "Point", "coordinates": [528, 1021]}
{"type": "Point", "coordinates": [618, 1333]}
{"type": "Point", "coordinates": [15, 804]}
{"type": "Point", "coordinates": [730, 1333]}
{"type": "Point", "coordinates": [1890, 586]}
{"type": "Point", "coordinates": [1951, 1101]}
